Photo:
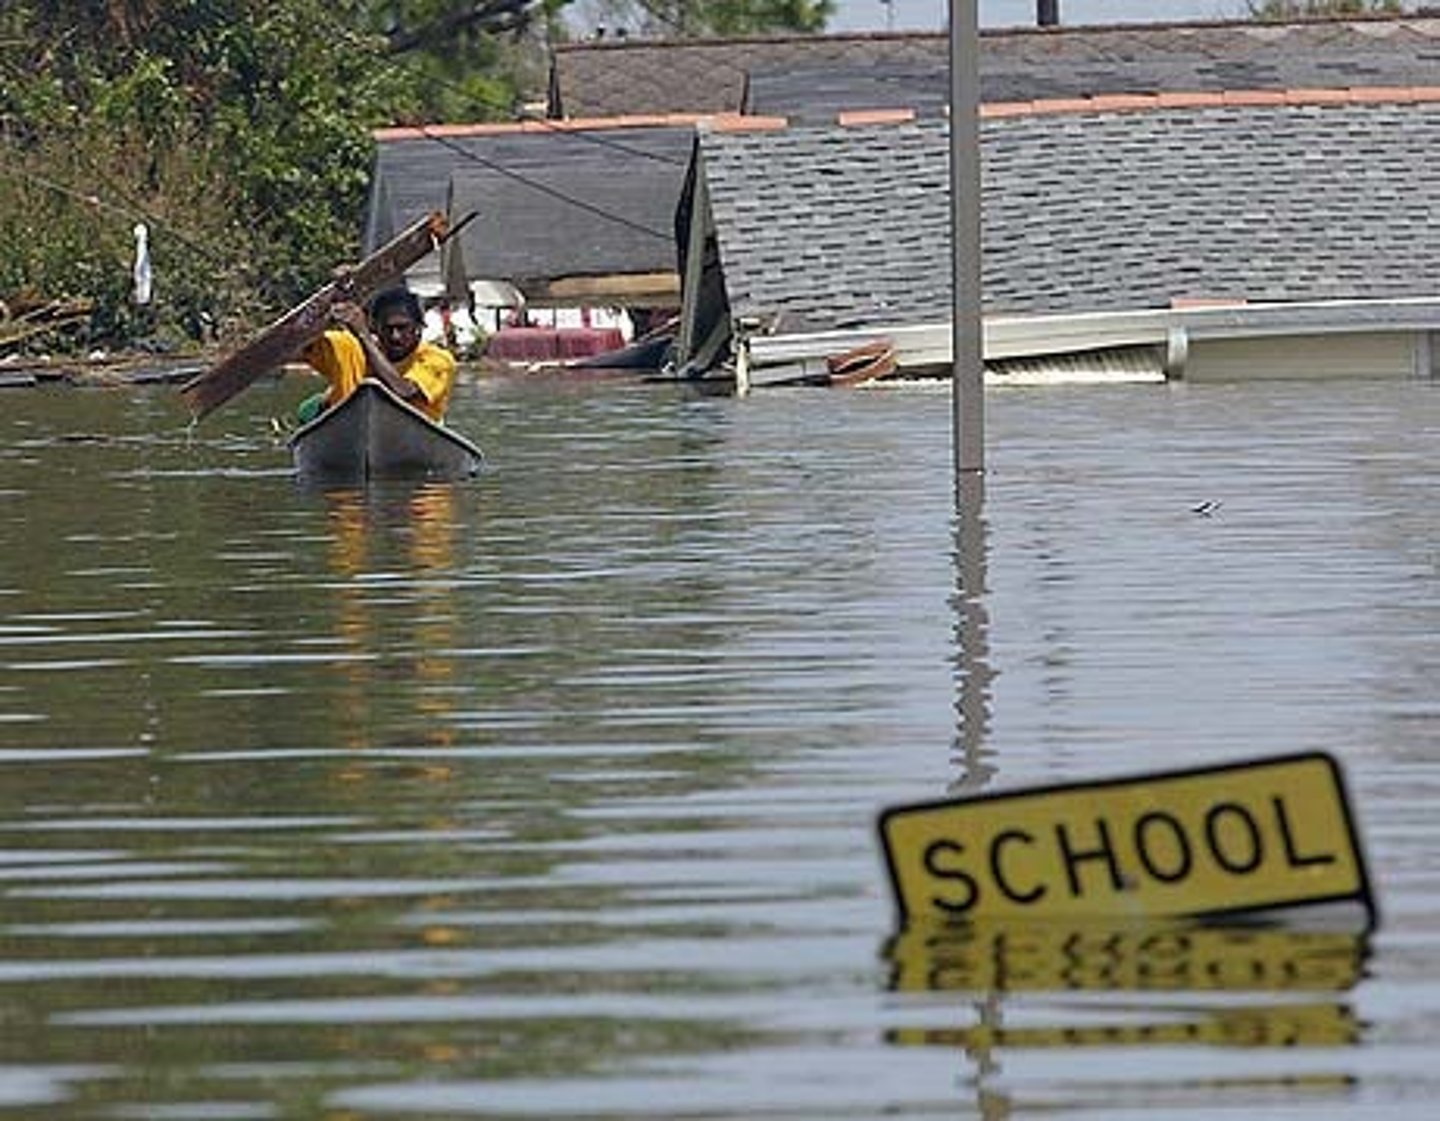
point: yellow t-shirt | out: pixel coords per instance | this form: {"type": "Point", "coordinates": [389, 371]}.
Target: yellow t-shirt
{"type": "Point", "coordinates": [339, 356]}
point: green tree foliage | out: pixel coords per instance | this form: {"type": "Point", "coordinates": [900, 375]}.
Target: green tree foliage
{"type": "Point", "coordinates": [239, 132]}
{"type": "Point", "coordinates": [467, 60]}
{"type": "Point", "coordinates": [699, 18]}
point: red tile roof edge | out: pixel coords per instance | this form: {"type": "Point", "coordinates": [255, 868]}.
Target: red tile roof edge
{"type": "Point", "coordinates": [850, 117]}
{"type": "Point", "coordinates": [1105, 103]}
{"type": "Point", "coordinates": [744, 122]}
{"type": "Point", "coordinates": [1199, 99]}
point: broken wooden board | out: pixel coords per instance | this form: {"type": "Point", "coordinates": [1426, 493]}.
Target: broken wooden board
{"type": "Point", "coordinates": [40, 320]}
{"type": "Point", "coordinates": [287, 336]}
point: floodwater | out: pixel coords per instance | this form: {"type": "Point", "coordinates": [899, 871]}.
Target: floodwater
{"type": "Point", "coordinates": [554, 794]}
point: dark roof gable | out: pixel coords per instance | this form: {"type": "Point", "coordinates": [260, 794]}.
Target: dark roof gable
{"type": "Point", "coordinates": [551, 202]}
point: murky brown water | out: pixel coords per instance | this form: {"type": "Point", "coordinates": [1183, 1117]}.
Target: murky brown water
{"type": "Point", "coordinates": [553, 795]}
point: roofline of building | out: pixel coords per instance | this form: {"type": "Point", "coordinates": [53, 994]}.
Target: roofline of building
{"type": "Point", "coordinates": [1180, 99]}
{"type": "Point", "coordinates": [1100, 103]}
{"type": "Point", "coordinates": [1424, 15]}
{"type": "Point", "coordinates": [1107, 103]}
{"type": "Point", "coordinates": [920, 345]}
{"type": "Point", "coordinates": [541, 125]}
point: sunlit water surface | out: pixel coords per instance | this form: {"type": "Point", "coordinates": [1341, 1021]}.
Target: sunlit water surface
{"type": "Point", "coordinates": [554, 794]}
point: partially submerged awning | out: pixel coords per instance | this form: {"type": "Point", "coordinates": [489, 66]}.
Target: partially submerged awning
{"type": "Point", "coordinates": [1320, 338]}
{"type": "Point", "coordinates": [1131, 365]}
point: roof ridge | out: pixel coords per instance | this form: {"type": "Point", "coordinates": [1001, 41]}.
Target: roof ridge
{"type": "Point", "coordinates": [1039, 107]}
{"type": "Point", "coordinates": [1202, 99]}
{"type": "Point", "coordinates": [1422, 16]}
{"type": "Point", "coordinates": [540, 125]}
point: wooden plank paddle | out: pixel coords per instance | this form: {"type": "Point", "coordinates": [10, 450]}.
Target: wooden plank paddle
{"type": "Point", "coordinates": [288, 335]}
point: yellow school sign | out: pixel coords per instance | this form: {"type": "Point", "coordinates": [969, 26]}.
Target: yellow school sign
{"type": "Point", "coordinates": [1263, 834]}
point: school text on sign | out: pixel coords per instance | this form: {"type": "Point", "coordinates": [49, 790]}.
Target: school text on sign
{"type": "Point", "coordinates": [1262, 834]}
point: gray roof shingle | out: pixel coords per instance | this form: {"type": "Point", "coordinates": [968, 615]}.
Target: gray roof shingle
{"type": "Point", "coordinates": [550, 204]}
{"type": "Point", "coordinates": [833, 227]}
{"type": "Point", "coordinates": [820, 73]}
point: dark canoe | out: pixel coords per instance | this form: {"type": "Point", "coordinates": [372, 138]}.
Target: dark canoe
{"type": "Point", "coordinates": [373, 434]}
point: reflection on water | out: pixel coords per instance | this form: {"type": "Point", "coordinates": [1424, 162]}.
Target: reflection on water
{"type": "Point", "coordinates": [973, 674]}
{"type": "Point", "coordinates": [553, 794]}
{"type": "Point", "coordinates": [1060, 958]}
{"type": "Point", "coordinates": [389, 543]}
{"type": "Point", "coordinates": [1218, 1013]}
{"type": "Point", "coordinates": [1095, 987]}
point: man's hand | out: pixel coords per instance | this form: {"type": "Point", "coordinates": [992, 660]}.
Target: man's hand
{"type": "Point", "coordinates": [343, 277]}
{"type": "Point", "coordinates": [350, 316]}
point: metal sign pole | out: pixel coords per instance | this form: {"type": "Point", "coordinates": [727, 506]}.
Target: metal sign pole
{"type": "Point", "coordinates": [966, 339]}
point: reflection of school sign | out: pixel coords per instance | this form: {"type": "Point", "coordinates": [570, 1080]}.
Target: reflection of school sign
{"type": "Point", "coordinates": [1287, 1025]}
{"type": "Point", "coordinates": [979, 959]}
{"type": "Point", "coordinates": [1056, 957]}
{"type": "Point", "coordinates": [1268, 833]}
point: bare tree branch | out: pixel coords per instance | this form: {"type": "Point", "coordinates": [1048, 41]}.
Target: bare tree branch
{"type": "Point", "coordinates": [490, 17]}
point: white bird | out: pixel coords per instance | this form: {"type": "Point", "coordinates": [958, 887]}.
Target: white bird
{"type": "Point", "coordinates": [141, 271]}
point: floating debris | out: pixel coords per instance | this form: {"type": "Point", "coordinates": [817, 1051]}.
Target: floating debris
{"type": "Point", "coordinates": [43, 318]}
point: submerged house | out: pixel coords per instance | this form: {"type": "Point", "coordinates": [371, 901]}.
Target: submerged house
{"type": "Point", "coordinates": [1199, 235]}
{"type": "Point", "coordinates": [573, 215]}
{"type": "Point", "coordinates": [1150, 190]}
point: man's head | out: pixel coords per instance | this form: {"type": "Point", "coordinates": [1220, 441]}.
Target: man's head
{"type": "Point", "coordinates": [398, 320]}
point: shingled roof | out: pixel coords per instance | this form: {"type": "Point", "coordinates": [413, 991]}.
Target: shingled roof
{"type": "Point", "coordinates": [567, 222]}
{"type": "Point", "coordinates": [552, 200]}
{"type": "Point", "coordinates": [828, 72]}
{"type": "Point", "coordinates": [1123, 203]}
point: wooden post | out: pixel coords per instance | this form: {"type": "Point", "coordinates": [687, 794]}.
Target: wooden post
{"type": "Point", "coordinates": [288, 335]}
{"type": "Point", "coordinates": [967, 349]}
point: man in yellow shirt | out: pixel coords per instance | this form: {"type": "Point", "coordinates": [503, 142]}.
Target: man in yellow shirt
{"type": "Point", "coordinates": [388, 349]}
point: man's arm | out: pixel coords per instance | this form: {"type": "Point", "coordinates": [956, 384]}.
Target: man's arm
{"type": "Point", "coordinates": [377, 365]}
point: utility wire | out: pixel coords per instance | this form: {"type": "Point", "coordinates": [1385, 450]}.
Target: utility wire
{"type": "Point", "coordinates": [91, 200]}
{"type": "Point", "coordinates": [556, 128]}
{"type": "Point", "coordinates": [589, 136]}
{"type": "Point", "coordinates": [500, 169]}
{"type": "Point", "coordinates": [130, 210]}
